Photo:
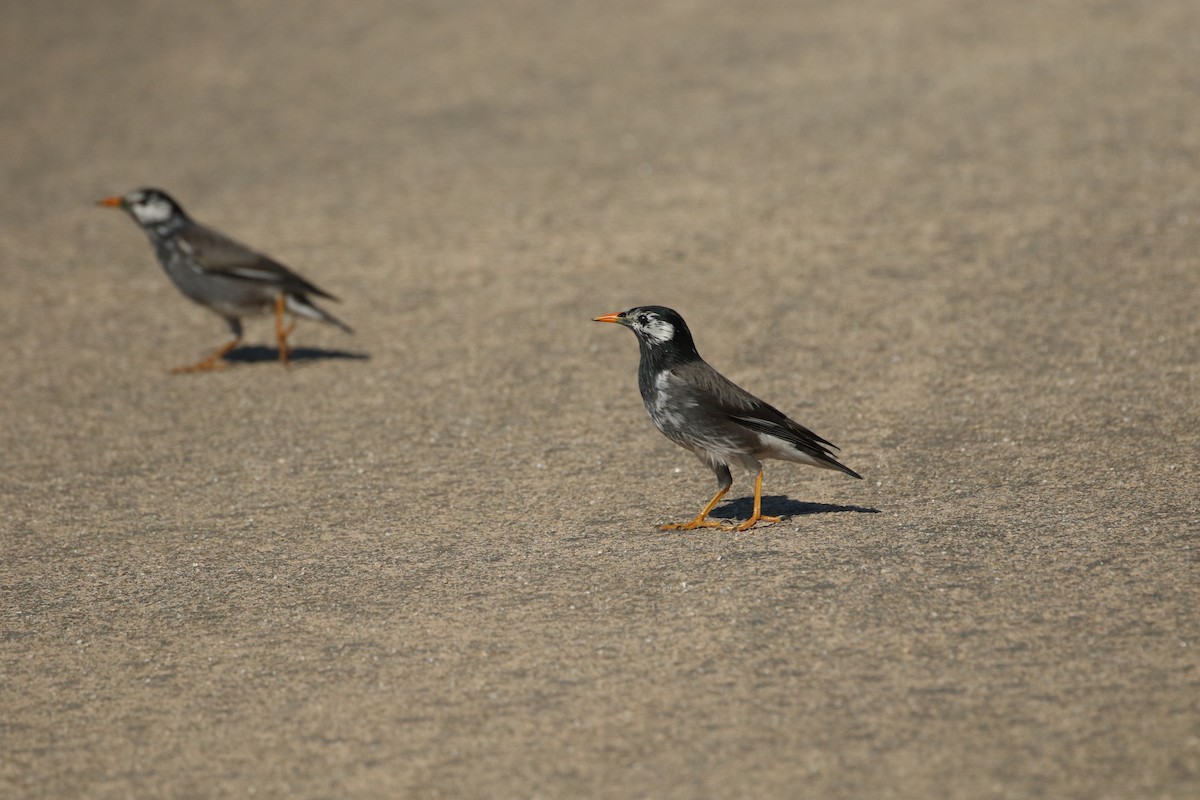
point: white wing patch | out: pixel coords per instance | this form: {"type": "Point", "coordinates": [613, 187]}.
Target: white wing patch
{"type": "Point", "coordinates": [773, 447]}
{"type": "Point", "coordinates": [301, 309]}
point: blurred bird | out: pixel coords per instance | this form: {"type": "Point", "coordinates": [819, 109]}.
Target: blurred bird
{"type": "Point", "coordinates": [220, 274]}
{"type": "Point", "coordinates": [701, 410]}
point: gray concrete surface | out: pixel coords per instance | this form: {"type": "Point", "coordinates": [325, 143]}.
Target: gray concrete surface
{"type": "Point", "coordinates": [961, 240]}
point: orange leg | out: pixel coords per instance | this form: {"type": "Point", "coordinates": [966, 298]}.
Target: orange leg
{"type": "Point", "coordinates": [213, 361]}
{"type": "Point", "coordinates": [281, 333]}
{"type": "Point", "coordinates": [700, 521]}
{"type": "Point", "coordinates": [757, 516]}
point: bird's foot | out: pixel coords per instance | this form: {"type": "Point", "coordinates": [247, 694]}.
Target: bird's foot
{"type": "Point", "coordinates": [754, 520]}
{"type": "Point", "coordinates": [213, 361]}
{"type": "Point", "coordinates": [205, 365]}
{"type": "Point", "coordinates": [699, 522]}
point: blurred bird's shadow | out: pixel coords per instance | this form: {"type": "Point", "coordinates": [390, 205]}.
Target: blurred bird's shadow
{"type": "Point", "coordinates": [780, 506]}
{"type": "Point", "coordinates": [255, 354]}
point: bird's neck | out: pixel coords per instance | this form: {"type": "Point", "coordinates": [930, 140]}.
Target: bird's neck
{"type": "Point", "coordinates": [656, 359]}
{"type": "Point", "coordinates": [168, 227]}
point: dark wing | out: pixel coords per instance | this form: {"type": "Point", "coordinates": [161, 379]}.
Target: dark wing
{"type": "Point", "coordinates": [722, 395]}
{"type": "Point", "coordinates": [703, 385]}
{"type": "Point", "coordinates": [220, 255]}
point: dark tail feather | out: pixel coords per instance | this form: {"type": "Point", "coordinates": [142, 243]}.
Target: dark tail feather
{"type": "Point", "coordinates": [301, 306]}
{"type": "Point", "coordinates": [839, 465]}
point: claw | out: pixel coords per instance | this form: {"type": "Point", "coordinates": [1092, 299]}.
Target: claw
{"type": "Point", "coordinates": [210, 362]}
{"type": "Point", "coordinates": [757, 516]}
{"type": "Point", "coordinates": [700, 521]}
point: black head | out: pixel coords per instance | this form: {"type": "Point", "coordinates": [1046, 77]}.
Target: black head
{"type": "Point", "coordinates": [658, 328]}
{"type": "Point", "coordinates": [148, 207]}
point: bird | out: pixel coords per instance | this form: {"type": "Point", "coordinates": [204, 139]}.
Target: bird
{"type": "Point", "coordinates": [701, 410]}
{"type": "Point", "coordinates": [224, 276]}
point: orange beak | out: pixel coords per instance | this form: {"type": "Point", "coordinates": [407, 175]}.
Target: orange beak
{"type": "Point", "coordinates": [111, 202]}
{"type": "Point", "coordinates": [608, 318]}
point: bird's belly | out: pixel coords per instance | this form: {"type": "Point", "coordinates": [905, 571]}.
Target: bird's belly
{"type": "Point", "coordinates": [694, 429]}
{"type": "Point", "coordinates": [240, 308]}
{"type": "Point", "coordinates": [671, 420]}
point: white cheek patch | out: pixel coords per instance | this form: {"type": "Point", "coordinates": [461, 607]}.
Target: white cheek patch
{"type": "Point", "coordinates": [659, 330]}
{"type": "Point", "coordinates": [152, 210]}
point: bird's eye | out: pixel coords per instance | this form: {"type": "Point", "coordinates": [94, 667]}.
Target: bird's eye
{"type": "Point", "coordinates": [643, 319]}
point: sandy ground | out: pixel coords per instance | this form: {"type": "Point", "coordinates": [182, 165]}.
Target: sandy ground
{"type": "Point", "coordinates": [962, 241]}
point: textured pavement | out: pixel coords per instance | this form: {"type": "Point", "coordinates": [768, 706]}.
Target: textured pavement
{"type": "Point", "coordinates": [960, 240]}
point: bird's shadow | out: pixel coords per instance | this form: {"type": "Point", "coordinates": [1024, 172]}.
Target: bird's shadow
{"type": "Point", "coordinates": [255, 354]}
{"type": "Point", "coordinates": [781, 506]}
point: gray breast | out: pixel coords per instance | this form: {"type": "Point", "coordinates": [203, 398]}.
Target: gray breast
{"type": "Point", "coordinates": [684, 417]}
{"type": "Point", "coordinates": [229, 297]}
